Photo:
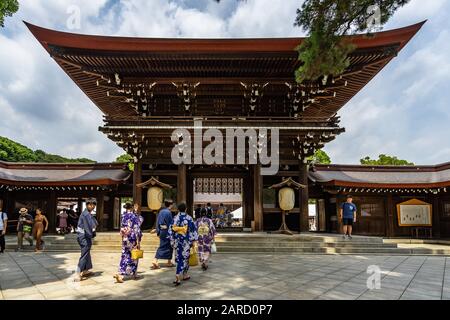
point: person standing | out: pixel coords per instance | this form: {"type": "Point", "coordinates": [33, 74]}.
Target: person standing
{"type": "Point", "coordinates": [24, 228]}
{"type": "Point", "coordinates": [347, 213]}
{"type": "Point", "coordinates": [130, 230]}
{"type": "Point", "coordinates": [183, 235]}
{"type": "Point", "coordinates": [206, 233]}
{"type": "Point", "coordinates": [85, 234]}
{"type": "Point", "coordinates": [165, 250]}
{"type": "Point", "coordinates": [197, 211]}
{"type": "Point", "coordinates": [209, 211]}
{"type": "Point", "coordinates": [63, 216]}
{"type": "Point", "coordinates": [38, 228]}
{"type": "Point", "coordinates": [3, 226]}
{"type": "Point", "coordinates": [137, 211]}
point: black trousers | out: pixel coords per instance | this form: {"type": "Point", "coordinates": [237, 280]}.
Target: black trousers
{"type": "Point", "coordinates": [2, 241]}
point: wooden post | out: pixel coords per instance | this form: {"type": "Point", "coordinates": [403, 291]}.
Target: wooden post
{"type": "Point", "coordinates": [303, 197]}
{"type": "Point", "coordinates": [137, 178]}
{"type": "Point", "coordinates": [182, 183]}
{"type": "Point", "coordinates": [52, 208]}
{"type": "Point", "coordinates": [389, 216]}
{"type": "Point", "coordinates": [436, 218]}
{"type": "Point", "coordinates": [258, 197]}
{"type": "Point", "coordinates": [100, 209]}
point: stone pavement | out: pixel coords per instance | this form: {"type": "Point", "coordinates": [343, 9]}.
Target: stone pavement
{"type": "Point", "coordinates": [230, 276]}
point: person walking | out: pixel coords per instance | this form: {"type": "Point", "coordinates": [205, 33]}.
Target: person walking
{"type": "Point", "coordinates": [206, 233]}
{"type": "Point", "coordinates": [347, 213]}
{"type": "Point", "coordinates": [38, 228]}
{"type": "Point", "coordinates": [131, 233]}
{"type": "Point", "coordinates": [3, 226]}
{"type": "Point", "coordinates": [63, 216]}
{"type": "Point", "coordinates": [165, 250]}
{"type": "Point", "coordinates": [24, 228]}
{"type": "Point", "coordinates": [183, 235]}
{"type": "Point", "coordinates": [85, 233]}
{"type": "Point", "coordinates": [209, 211]}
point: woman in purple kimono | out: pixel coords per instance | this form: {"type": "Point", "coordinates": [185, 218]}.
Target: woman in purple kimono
{"type": "Point", "coordinates": [182, 235]}
{"type": "Point", "coordinates": [206, 233]}
{"type": "Point", "coordinates": [130, 231]}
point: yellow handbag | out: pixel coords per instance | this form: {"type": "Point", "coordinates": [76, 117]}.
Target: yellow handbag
{"type": "Point", "coordinates": [193, 257]}
{"type": "Point", "coordinates": [137, 254]}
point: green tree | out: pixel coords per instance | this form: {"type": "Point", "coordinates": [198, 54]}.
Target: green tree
{"type": "Point", "coordinates": [126, 158]}
{"type": "Point", "coordinates": [325, 52]}
{"type": "Point", "coordinates": [320, 157]}
{"type": "Point", "coordinates": [12, 151]}
{"type": "Point", "coordinates": [385, 160]}
{"type": "Point", "coordinates": [7, 9]}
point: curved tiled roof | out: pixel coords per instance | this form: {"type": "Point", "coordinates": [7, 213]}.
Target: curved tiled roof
{"type": "Point", "coordinates": [382, 176]}
{"type": "Point", "coordinates": [62, 174]}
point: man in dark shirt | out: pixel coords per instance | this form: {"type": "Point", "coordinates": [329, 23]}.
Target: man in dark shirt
{"type": "Point", "coordinates": [348, 215]}
{"type": "Point", "coordinates": [85, 233]}
{"type": "Point", "coordinates": [24, 228]}
{"type": "Point", "coordinates": [197, 211]}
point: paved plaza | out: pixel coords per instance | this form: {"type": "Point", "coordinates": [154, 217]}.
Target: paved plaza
{"type": "Point", "coordinates": [230, 276]}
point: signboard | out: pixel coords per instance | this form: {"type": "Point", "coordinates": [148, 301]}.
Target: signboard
{"type": "Point", "coordinates": [414, 213]}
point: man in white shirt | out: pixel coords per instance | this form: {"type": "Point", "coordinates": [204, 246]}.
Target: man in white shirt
{"type": "Point", "coordinates": [3, 225]}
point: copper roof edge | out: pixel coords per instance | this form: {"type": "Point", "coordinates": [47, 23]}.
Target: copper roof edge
{"type": "Point", "coordinates": [67, 165]}
{"type": "Point", "coordinates": [85, 41]}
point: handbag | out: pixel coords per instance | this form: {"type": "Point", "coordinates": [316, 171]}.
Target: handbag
{"type": "Point", "coordinates": [137, 254]}
{"type": "Point", "coordinates": [193, 257]}
{"type": "Point", "coordinates": [213, 248]}
{"type": "Point", "coordinates": [27, 229]}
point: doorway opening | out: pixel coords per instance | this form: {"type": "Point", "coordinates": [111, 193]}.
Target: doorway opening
{"type": "Point", "coordinates": [221, 198]}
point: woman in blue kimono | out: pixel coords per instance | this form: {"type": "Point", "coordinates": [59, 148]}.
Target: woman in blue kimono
{"type": "Point", "coordinates": [182, 234]}
{"type": "Point", "coordinates": [165, 250]}
{"type": "Point", "coordinates": [130, 230]}
{"type": "Point", "coordinates": [206, 233]}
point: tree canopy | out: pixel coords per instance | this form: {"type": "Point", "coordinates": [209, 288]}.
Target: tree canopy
{"type": "Point", "coordinates": [320, 157]}
{"type": "Point", "coordinates": [385, 160]}
{"type": "Point", "coordinates": [324, 52]}
{"type": "Point", "coordinates": [12, 151]}
{"type": "Point", "coordinates": [126, 158]}
{"type": "Point", "coordinates": [7, 9]}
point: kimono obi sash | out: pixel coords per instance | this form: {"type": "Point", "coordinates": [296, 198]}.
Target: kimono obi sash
{"type": "Point", "coordinates": [203, 229]}
{"type": "Point", "coordinates": [180, 230]}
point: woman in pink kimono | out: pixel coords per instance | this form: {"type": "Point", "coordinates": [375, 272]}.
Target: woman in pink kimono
{"type": "Point", "coordinates": [206, 233]}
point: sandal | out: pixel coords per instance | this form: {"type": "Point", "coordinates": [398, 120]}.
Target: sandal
{"type": "Point", "coordinates": [79, 279]}
{"type": "Point", "coordinates": [155, 266]}
{"type": "Point", "coordinates": [176, 283]}
{"type": "Point", "coordinates": [118, 278]}
{"type": "Point", "coordinates": [187, 278]}
{"type": "Point", "coordinates": [170, 265]}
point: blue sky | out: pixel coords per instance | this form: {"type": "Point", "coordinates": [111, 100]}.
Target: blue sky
{"type": "Point", "coordinates": [404, 111]}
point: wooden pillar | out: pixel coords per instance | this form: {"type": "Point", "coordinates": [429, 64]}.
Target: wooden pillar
{"type": "Point", "coordinates": [137, 178]}
{"type": "Point", "coordinates": [190, 195]}
{"type": "Point", "coordinates": [436, 217]}
{"type": "Point", "coordinates": [247, 202]}
{"type": "Point", "coordinates": [258, 197]}
{"type": "Point", "coordinates": [182, 183]}
{"type": "Point", "coordinates": [303, 197]}
{"type": "Point", "coordinates": [100, 210]}
{"type": "Point", "coordinates": [389, 216]}
{"type": "Point", "coordinates": [52, 208]}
